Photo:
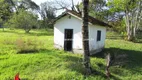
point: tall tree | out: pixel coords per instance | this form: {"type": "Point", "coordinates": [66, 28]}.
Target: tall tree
{"type": "Point", "coordinates": [98, 9]}
{"type": "Point", "coordinates": [23, 20]}
{"type": "Point", "coordinates": [12, 3]}
{"type": "Point", "coordinates": [5, 12]}
{"type": "Point", "coordinates": [85, 37]}
{"type": "Point", "coordinates": [132, 10]}
{"type": "Point", "coordinates": [47, 13]}
{"type": "Point", "coordinates": [25, 4]}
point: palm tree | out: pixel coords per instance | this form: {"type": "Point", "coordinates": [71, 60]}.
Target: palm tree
{"type": "Point", "coordinates": [85, 36]}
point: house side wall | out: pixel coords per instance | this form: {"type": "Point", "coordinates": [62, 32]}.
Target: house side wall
{"type": "Point", "coordinates": [68, 23]}
{"type": "Point", "coordinates": [96, 46]}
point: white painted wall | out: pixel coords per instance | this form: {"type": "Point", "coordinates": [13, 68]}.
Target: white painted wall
{"type": "Point", "coordinates": [94, 44]}
{"type": "Point", "coordinates": [66, 23]}
{"type": "Point", "coordinates": [76, 24]}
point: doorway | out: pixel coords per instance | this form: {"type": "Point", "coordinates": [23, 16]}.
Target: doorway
{"type": "Point", "coordinates": [68, 39]}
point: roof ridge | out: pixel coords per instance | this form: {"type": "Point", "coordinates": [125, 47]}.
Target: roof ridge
{"type": "Point", "coordinates": [90, 18]}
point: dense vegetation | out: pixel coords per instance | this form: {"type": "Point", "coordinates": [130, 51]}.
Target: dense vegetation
{"type": "Point", "coordinates": [49, 63]}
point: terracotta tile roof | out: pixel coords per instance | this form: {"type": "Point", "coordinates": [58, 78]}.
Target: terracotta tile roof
{"type": "Point", "coordinates": [91, 19]}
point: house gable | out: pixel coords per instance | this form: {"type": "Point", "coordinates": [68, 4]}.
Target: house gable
{"type": "Point", "coordinates": [91, 20]}
{"type": "Point", "coordinates": [68, 22]}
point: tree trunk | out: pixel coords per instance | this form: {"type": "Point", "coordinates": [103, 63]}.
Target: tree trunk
{"type": "Point", "coordinates": [85, 39]}
{"type": "Point", "coordinates": [134, 32]}
{"type": "Point", "coordinates": [108, 61]}
{"type": "Point", "coordinates": [73, 6]}
{"type": "Point", "coordinates": [3, 28]}
{"type": "Point", "coordinates": [132, 20]}
{"type": "Point", "coordinates": [128, 26]}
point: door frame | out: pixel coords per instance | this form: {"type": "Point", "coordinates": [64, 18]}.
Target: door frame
{"type": "Point", "coordinates": [68, 40]}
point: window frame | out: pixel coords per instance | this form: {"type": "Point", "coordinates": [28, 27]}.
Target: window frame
{"type": "Point", "coordinates": [99, 34]}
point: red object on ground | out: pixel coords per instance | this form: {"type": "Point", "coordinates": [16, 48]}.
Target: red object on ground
{"type": "Point", "coordinates": [17, 76]}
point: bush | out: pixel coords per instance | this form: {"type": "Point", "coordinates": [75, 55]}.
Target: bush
{"type": "Point", "coordinates": [29, 45]}
{"type": "Point", "coordinates": [8, 42]}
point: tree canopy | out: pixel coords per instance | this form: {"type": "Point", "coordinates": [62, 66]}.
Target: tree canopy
{"type": "Point", "coordinates": [132, 10]}
{"type": "Point", "coordinates": [24, 20]}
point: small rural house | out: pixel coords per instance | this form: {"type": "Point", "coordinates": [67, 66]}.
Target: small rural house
{"type": "Point", "coordinates": [68, 33]}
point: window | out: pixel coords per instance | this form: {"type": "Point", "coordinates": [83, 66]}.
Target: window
{"type": "Point", "coordinates": [98, 35]}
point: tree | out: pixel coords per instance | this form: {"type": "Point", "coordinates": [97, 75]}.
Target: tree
{"type": "Point", "coordinates": [5, 12]}
{"type": "Point", "coordinates": [85, 37]}
{"type": "Point", "coordinates": [24, 20]}
{"type": "Point", "coordinates": [47, 13]}
{"type": "Point", "coordinates": [11, 2]}
{"type": "Point", "coordinates": [61, 5]}
{"type": "Point", "coordinates": [98, 9]}
{"type": "Point", "coordinates": [132, 10]}
{"type": "Point", "coordinates": [23, 4]}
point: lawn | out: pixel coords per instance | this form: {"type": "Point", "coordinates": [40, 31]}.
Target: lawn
{"type": "Point", "coordinates": [51, 64]}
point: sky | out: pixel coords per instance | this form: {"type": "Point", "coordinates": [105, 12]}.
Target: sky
{"type": "Point", "coordinates": [41, 1]}
{"type": "Point", "coordinates": [60, 11]}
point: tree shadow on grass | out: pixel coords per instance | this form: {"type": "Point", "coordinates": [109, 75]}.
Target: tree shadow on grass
{"type": "Point", "coordinates": [138, 41]}
{"type": "Point", "coordinates": [75, 63]}
{"type": "Point", "coordinates": [133, 61]}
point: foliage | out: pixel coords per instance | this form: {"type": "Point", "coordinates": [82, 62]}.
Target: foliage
{"type": "Point", "coordinates": [5, 10]}
{"type": "Point", "coordinates": [97, 9]}
{"type": "Point", "coordinates": [1, 21]}
{"type": "Point", "coordinates": [47, 13]}
{"type": "Point", "coordinates": [24, 4]}
{"type": "Point", "coordinates": [29, 45]}
{"type": "Point", "coordinates": [59, 65]}
{"type": "Point", "coordinates": [24, 20]}
{"type": "Point", "coordinates": [118, 26]}
{"type": "Point", "coordinates": [132, 10]}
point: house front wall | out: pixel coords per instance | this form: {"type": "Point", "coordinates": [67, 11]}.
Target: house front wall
{"type": "Point", "coordinates": [68, 22]}
{"type": "Point", "coordinates": [71, 22]}
{"type": "Point", "coordinates": [96, 46]}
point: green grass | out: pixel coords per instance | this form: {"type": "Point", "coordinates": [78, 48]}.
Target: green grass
{"type": "Point", "coordinates": [52, 64]}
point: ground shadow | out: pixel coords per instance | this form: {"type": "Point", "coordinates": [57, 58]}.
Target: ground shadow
{"type": "Point", "coordinates": [74, 63]}
{"type": "Point", "coordinates": [133, 59]}
{"type": "Point", "coordinates": [138, 40]}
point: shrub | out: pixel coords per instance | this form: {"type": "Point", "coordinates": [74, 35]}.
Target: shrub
{"type": "Point", "coordinates": [28, 45]}
{"type": "Point", "coordinates": [8, 42]}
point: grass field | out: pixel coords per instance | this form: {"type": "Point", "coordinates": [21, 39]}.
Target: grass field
{"type": "Point", "coordinates": [52, 64]}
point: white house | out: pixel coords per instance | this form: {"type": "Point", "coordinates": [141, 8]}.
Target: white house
{"type": "Point", "coordinates": [68, 33]}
